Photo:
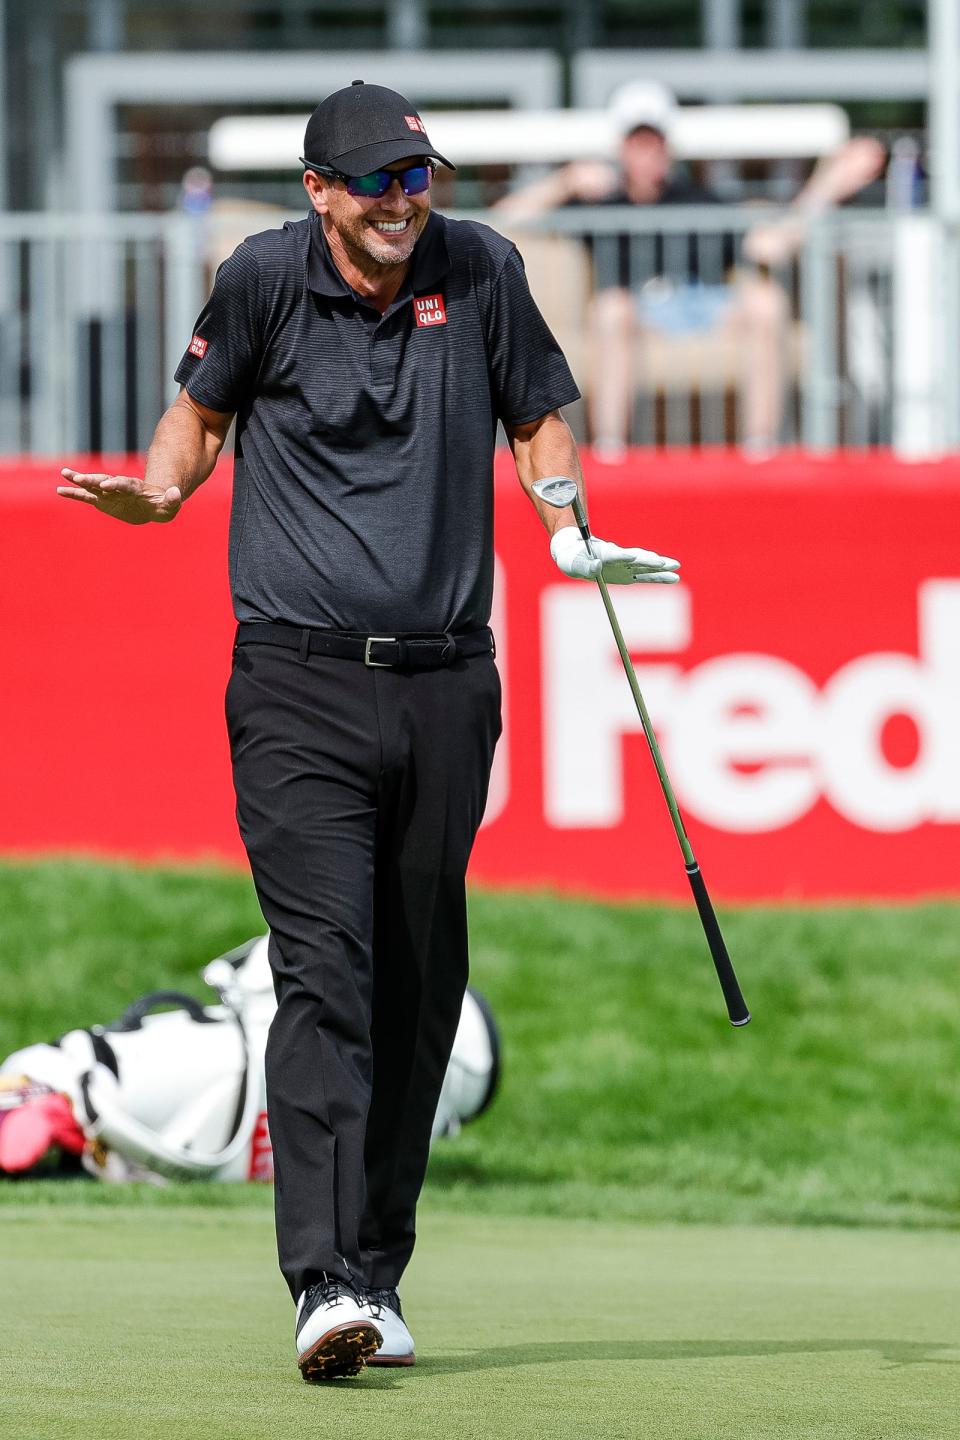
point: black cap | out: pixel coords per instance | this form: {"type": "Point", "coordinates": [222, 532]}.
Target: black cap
{"type": "Point", "coordinates": [364, 128]}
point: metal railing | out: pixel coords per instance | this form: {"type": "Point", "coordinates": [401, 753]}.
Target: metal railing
{"type": "Point", "coordinates": [95, 313]}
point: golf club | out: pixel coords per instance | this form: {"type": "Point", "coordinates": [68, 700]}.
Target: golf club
{"type": "Point", "coordinates": [560, 493]}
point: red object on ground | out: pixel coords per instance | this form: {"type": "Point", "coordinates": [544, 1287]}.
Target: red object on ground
{"type": "Point", "coordinates": [805, 681]}
{"type": "Point", "coordinates": [27, 1133]}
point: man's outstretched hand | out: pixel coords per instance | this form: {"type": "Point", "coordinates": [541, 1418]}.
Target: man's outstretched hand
{"type": "Point", "coordinates": [122, 496]}
{"type": "Point", "coordinates": [617, 565]}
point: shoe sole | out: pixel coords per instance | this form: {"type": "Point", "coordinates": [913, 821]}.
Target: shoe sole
{"type": "Point", "coordinates": [392, 1360]}
{"type": "Point", "coordinates": [342, 1352]}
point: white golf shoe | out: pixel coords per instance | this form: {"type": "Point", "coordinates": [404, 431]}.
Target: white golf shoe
{"type": "Point", "coordinates": [383, 1308]}
{"type": "Point", "coordinates": [336, 1334]}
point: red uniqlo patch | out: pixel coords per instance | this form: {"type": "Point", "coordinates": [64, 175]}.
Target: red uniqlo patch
{"type": "Point", "coordinates": [429, 310]}
{"type": "Point", "coordinates": [415, 123]}
{"type": "Point", "coordinates": [198, 346]}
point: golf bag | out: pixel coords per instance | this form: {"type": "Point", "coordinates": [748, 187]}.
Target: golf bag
{"type": "Point", "coordinates": [180, 1092]}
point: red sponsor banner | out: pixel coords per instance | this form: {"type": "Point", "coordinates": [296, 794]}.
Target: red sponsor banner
{"type": "Point", "coordinates": [804, 679]}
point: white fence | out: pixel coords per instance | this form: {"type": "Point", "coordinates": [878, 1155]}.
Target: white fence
{"type": "Point", "coordinates": [96, 311]}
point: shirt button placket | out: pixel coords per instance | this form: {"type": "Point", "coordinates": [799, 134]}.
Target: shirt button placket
{"type": "Point", "coordinates": [382, 366]}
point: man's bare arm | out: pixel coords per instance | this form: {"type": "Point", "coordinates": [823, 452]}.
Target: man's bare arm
{"type": "Point", "coordinates": [546, 447]}
{"type": "Point", "coordinates": [542, 448]}
{"type": "Point", "coordinates": [835, 178]}
{"type": "Point", "coordinates": [182, 454]}
{"type": "Point", "coordinates": [588, 181]}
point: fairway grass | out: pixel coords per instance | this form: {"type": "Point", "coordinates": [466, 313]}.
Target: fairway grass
{"type": "Point", "coordinates": [626, 1094]}
{"type": "Point", "coordinates": [135, 1324]}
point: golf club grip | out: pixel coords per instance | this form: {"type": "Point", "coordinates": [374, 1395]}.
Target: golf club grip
{"type": "Point", "coordinates": [736, 1005]}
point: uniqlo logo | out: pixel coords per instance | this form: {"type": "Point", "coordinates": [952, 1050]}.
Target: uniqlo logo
{"type": "Point", "coordinates": [429, 310]}
{"type": "Point", "coordinates": [198, 346]}
{"type": "Point", "coordinates": [415, 123]}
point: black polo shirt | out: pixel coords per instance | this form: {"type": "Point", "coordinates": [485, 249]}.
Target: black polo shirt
{"type": "Point", "coordinates": [363, 477]}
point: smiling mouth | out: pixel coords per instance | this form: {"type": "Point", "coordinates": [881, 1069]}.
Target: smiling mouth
{"type": "Point", "coordinates": [392, 227]}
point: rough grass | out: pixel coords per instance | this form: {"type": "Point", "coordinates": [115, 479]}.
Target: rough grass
{"type": "Point", "coordinates": [625, 1092]}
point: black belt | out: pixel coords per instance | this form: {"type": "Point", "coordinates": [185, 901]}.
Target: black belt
{"type": "Point", "coordinates": [379, 652]}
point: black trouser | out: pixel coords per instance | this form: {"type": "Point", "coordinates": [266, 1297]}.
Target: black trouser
{"type": "Point", "coordinates": [359, 793]}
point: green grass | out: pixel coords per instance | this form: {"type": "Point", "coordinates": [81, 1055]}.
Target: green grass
{"type": "Point", "coordinates": [171, 1324]}
{"type": "Point", "coordinates": [626, 1095]}
{"type": "Point", "coordinates": [538, 1310]}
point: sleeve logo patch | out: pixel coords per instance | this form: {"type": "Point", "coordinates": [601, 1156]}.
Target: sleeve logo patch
{"type": "Point", "coordinates": [429, 310]}
{"type": "Point", "coordinates": [415, 123]}
{"type": "Point", "coordinates": [198, 346]}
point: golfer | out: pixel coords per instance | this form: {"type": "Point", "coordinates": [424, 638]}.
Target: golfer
{"type": "Point", "coordinates": [367, 353]}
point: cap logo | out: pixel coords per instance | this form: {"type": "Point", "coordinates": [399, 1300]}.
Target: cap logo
{"type": "Point", "coordinates": [429, 310]}
{"type": "Point", "coordinates": [415, 123]}
{"type": "Point", "coordinates": [198, 346]}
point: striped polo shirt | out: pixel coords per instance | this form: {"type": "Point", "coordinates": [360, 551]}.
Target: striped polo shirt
{"type": "Point", "coordinates": [363, 475]}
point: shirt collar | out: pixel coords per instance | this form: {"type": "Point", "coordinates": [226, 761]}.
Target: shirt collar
{"type": "Point", "coordinates": [431, 260]}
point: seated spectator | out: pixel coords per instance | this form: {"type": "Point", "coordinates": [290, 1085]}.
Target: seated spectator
{"type": "Point", "coordinates": [630, 298]}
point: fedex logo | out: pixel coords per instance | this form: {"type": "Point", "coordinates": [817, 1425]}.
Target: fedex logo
{"type": "Point", "coordinates": [751, 743]}
{"type": "Point", "coordinates": [429, 310]}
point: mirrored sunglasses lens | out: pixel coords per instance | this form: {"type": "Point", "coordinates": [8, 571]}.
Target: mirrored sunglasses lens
{"type": "Point", "coordinates": [413, 182]}
{"type": "Point", "coordinates": [373, 185]}
{"type": "Point", "coordinates": [417, 179]}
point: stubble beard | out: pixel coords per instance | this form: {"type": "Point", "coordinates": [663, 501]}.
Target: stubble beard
{"type": "Point", "coordinates": [385, 251]}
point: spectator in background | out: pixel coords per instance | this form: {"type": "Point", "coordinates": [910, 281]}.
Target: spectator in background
{"type": "Point", "coordinates": [635, 291]}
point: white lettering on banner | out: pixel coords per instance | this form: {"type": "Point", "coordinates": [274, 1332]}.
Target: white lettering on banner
{"type": "Point", "coordinates": [587, 705]}
{"type": "Point", "coordinates": [940, 644]}
{"type": "Point", "coordinates": [750, 742]}
{"type": "Point", "coordinates": [744, 710]}
{"type": "Point", "coordinates": [861, 697]}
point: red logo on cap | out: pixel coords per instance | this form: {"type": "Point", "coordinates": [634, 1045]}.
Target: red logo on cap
{"type": "Point", "coordinates": [198, 346]}
{"type": "Point", "coordinates": [415, 123]}
{"type": "Point", "coordinates": [429, 310]}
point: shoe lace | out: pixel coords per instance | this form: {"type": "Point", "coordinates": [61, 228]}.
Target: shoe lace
{"type": "Point", "coordinates": [325, 1292]}
{"type": "Point", "coordinates": [379, 1300]}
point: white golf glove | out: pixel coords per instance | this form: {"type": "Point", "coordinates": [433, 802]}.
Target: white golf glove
{"type": "Point", "coordinates": [618, 566]}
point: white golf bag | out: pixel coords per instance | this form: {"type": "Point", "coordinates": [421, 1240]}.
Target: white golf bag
{"type": "Point", "coordinates": [181, 1092]}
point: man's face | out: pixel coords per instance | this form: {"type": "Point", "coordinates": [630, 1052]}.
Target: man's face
{"type": "Point", "coordinates": [383, 230]}
{"type": "Point", "coordinates": [645, 160]}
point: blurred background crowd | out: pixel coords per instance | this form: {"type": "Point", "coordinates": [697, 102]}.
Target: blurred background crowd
{"type": "Point", "coordinates": [738, 217]}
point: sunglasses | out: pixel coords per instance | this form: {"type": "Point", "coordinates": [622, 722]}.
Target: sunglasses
{"type": "Point", "coordinates": [413, 181]}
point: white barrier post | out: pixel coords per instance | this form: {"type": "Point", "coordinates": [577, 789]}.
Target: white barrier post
{"type": "Point", "coordinates": [918, 358]}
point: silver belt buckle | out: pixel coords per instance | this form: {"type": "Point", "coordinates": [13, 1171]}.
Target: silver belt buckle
{"type": "Point", "coordinates": [377, 640]}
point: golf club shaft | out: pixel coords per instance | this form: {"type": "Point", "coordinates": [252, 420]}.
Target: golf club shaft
{"type": "Point", "coordinates": [647, 723]}
{"type": "Point", "coordinates": [732, 994]}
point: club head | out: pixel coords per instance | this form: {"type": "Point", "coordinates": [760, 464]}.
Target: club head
{"type": "Point", "coordinates": [556, 490]}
